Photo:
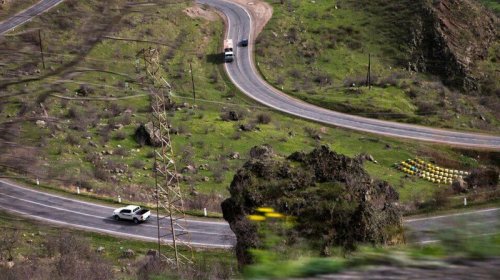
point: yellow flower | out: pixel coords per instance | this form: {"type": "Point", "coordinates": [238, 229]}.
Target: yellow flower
{"type": "Point", "coordinates": [265, 209]}
{"type": "Point", "coordinates": [256, 218]}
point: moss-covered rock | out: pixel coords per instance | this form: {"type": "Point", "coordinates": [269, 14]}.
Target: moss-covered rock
{"type": "Point", "coordinates": [332, 197]}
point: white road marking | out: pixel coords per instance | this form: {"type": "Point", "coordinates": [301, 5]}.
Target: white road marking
{"type": "Point", "coordinates": [318, 114]}
{"type": "Point", "coordinates": [99, 217]}
{"type": "Point", "coordinates": [11, 184]}
{"type": "Point", "coordinates": [53, 207]}
{"type": "Point", "coordinates": [452, 215]}
{"type": "Point", "coordinates": [29, 16]}
{"type": "Point", "coordinates": [116, 233]}
{"type": "Point", "coordinates": [469, 236]}
{"type": "Point", "coordinates": [53, 195]}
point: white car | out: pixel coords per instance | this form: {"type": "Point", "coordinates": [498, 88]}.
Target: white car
{"type": "Point", "coordinates": [131, 212]}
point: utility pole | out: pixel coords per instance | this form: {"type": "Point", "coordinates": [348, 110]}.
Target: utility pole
{"type": "Point", "coordinates": [157, 197]}
{"type": "Point", "coordinates": [369, 74]}
{"type": "Point", "coordinates": [41, 46]}
{"type": "Point", "coordinates": [192, 81]}
{"type": "Point", "coordinates": [168, 195]}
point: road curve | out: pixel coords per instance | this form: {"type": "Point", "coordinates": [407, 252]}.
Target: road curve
{"type": "Point", "coordinates": [94, 217]}
{"type": "Point", "coordinates": [26, 15]}
{"type": "Point", "coordinates": [73, 213]}
{"type": "Point", "coordinates": [243, 74]}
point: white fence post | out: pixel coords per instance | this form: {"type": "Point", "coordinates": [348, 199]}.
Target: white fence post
{"type": "Point", "coordinates": [78, 190]}
{"type": "Point", "coordinates": [37, 182]}
{"type": "Point", "coordinates": [119, 199]}
{"type": "Point", "coordinates": [205, 211]}
{"type": "Point", "coordinates": [465, 201]}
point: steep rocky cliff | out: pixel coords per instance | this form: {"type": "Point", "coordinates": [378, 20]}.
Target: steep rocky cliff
{"type": "Point", "coordinates": [448, 37]}
{"type": "Point", "coordinates": [334, 200]}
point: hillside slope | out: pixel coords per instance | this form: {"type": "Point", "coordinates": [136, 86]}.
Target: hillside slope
{"type": "Point", "coordinates": [432, 62]}
{"type": "Point", "coordinates": [449, 37]}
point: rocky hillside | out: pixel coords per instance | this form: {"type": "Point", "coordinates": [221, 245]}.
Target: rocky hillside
{"type": "Point", "coordinates": [449, 37]}
{"type": "Point", "coordinates": [334, 200]}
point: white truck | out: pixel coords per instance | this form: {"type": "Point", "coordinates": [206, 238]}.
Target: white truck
{"type": "Point", "coordinates": [133, 213]}
{"type": "Point", "coordinates": [228, 50]}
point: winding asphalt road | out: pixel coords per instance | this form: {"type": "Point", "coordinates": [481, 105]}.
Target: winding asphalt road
{"type": "Point", "coordinates": [74, 213]}
{"type": "Point", "coordinates": [244, 75]}
{"type": "Point", "coordinates": [98, 218]}
{"type": "Point", "coordinates": [94, 217]}
{"type": "Point", "coordinates": [27, 15]}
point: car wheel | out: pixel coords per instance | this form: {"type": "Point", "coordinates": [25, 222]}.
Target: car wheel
{"type": "Point", "coordinates": [136, 221]}
{"type": "Point", "coordinates": [116, 217]}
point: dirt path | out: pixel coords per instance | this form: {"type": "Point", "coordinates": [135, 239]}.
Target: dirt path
{"type": "Point", "coordinates": [198, 11]}
{"type": "Point", "coordinates": [260, 11]}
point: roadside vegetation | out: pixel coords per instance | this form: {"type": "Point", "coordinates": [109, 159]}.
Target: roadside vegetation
{"type": "Point", "coordinates": [10, 8]}
{"type": "Point", "coordinates": [29, 249]}
{"type": "Point", "coordinates": [476, 255]}
{"type": "Point", "coordinates": [318, 51]}
{"type": "Point", "coordinates": [33, 250]}
{"type": "Point", "coordinates": [72, 124]}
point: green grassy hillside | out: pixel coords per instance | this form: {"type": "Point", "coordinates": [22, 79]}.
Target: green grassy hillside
{"type": "Point", "coordinates": [94, 93]}
{"type": "Point", "coordinates": [492, 4]}
{"type": "Point", "coordinates": [319, 51]}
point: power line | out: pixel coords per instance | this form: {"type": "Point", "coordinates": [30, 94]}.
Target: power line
{"type": "Point", "coordinates": [144, 93]}
{"type": "Point", "coordinates": [127, 7]}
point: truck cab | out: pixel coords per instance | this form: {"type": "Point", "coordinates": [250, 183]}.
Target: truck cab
{"type": "Point", "coordinates": [133, 213]}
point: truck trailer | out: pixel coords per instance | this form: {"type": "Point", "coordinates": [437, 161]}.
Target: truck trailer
{"type": "Point", "coordinates": [228, 50]}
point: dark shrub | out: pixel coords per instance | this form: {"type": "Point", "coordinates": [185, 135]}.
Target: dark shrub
{"type": "Point", "coordinates": [120, 135]}
{"type": "Point", "coordinates": [72, 139]}
{"type": "Point", "coordinates": [486, 177]}
{"type": "Point", "coordinates": [263, 118]}
{"type": "Point", "coordinates": [121, 152]}
{"type": "Point", "coordinates": [84, 90]}
{"type": "Point", "coordinates": [101, 174]}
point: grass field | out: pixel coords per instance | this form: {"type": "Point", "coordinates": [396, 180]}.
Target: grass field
{"type": "Point", "coordinates": [492, 4]}
{"type": "Point", "coordinates": [319, 52]}
{"type": "Point", "coordinates": [88, 142]}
